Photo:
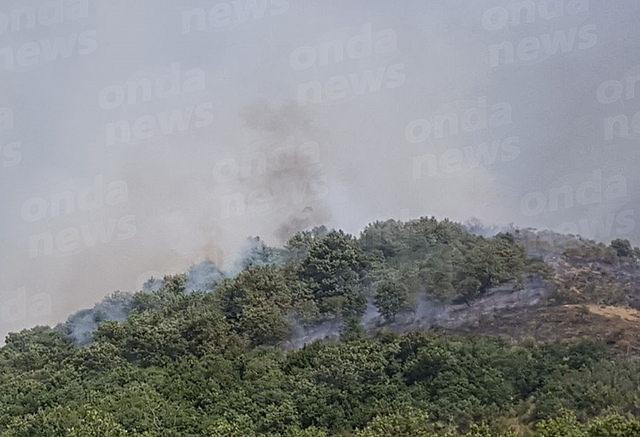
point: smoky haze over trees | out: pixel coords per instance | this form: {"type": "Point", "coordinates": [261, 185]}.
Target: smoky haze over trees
{"type": "Point", "coordinates": [311, 340]}
{"type": "Point", "coordinates": [137, 140]}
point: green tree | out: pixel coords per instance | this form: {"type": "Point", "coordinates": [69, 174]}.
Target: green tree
{"type": "Point", "coordinates": [257, 303]}
{"type": "Point", "coordinates": [351, 330]}
{"type": "Point", "coordinates": [405, 424]}
{"type": "Point", "coordinates": [613, 426]}
{"type": "Point", "coordinates": [623, 248]}
{"type": "Point", "coordinates": [333, 270]}
{"type": "Point", "coordinates": [565, 425]}
{"type": "Point", "coordinates": [95, 423]}
{"type": "Point", "coordinates": [390, 298]}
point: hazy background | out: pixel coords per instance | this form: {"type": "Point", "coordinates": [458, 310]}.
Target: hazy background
{"type": "Point", "coordinates": [264, 117]}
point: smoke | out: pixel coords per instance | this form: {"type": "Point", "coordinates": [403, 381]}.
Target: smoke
{"type": "Point", "coordinates": [269, 181]}
{"type": "Point", "coordinates": [478, 227]}
{"type": "Point", "coordinates": [272, 185]}
{"type": "Point", "coordinates": [205, 169]}
{"type": "Point", "coordinates": [371, 314]}
{"type": "Point", "coordinates": [152, 285]}
{"type": "Point", "coordinates": [199, 277]}
{"type": "Point", "coordinates": [430, 314]}
{"type": "Point", "coordinates": [81, 325]}
{"type": "Point", "coordinates": [257, 254]}
{"type": "Point", "coordinates": [284, 170]}
{"type": "Point", "coordinates": [202, 276]}
{"type": "Point", "coordinates": [303, 334]}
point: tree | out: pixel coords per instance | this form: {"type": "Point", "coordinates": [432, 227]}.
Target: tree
{"type": "Point", "coordinates": [257, 303]}
{"type": "Point", "coordinates": [623, 248]}
{"type": "Point", "coordinates": [351, 330]}
{"type": "Point", "coordinates": [469, 288]}
{"type": "Point", "coordinates": [390, 298]}
{"type": "Point", "coordinates": [96, 423]}
{"type": "Point", "coordinates": [565, 425]}
{"type": "Point", "coordinates": [400, 424]}
{"type": "Point", "coordinates": [496, 261]}
{"type": "Point", "coordinates": [299, 245]}
{"type": "Point", "coordinates": [333, 270]}
{"type": "Point", "coordinates": [613, 426]}
{"type": "Point", "coordinates": [437, 273]}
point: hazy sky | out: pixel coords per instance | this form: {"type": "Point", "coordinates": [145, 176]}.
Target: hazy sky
{"type": "Point", "coordinates": [140, 137]}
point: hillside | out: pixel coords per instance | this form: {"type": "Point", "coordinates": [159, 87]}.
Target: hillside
{"type": "Point", "coordinates": [418, 328]}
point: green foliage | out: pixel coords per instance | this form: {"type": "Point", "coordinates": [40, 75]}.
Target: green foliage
{"type": "Point", "coordinates": [351, 330]}
{"type": "Point", "coordinates": [135, 383]}
{"type": "Point", "coordinates": [214, 363]}
{"type": "Point", "coordinates": [566, 425]}
{"type": "Point", "coordinates": [613, 426]}
{"type": "Point", "coordinates": [500, 260]}
{"type": "Point", "coordinates": [623, 248]}
{"type": "Point", "coordinates": [401, 424]}
{"type": "Point", "coordinates": [94, 423]}
{"type": "Point", "coordinates": [391, 297]}
{"type": "Point", "coordinates": [256, 304]}
{"type": "Point", "coordinates": [300, 244]}
{"type": "Point", "coordinates": [333, 270]}
{"type": "Point", "coordinates": [444, 260]}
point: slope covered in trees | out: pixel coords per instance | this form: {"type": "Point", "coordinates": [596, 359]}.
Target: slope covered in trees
{"type": "Point", "coordinates": [221, 354]}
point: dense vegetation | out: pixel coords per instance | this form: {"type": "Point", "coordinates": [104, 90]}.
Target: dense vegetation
{"type": "Point", "coordinates": [218, 361]}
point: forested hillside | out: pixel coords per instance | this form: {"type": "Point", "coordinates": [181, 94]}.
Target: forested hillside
{"type": "Point", "coordinates": [417, 328]}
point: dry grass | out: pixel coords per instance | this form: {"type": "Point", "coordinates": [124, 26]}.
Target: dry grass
{"type": "Point", "coordinates": [616, 326]}
{"type": "Point", "coordinates": [624, 313]}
